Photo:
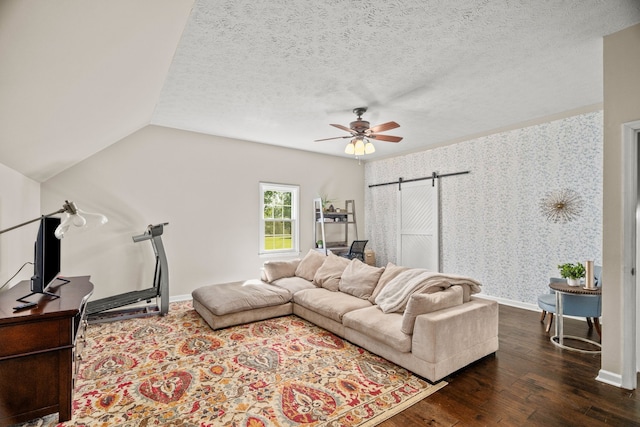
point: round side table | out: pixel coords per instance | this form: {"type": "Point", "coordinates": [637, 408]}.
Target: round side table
{"type": "Point", "coordinates": [561, 289]}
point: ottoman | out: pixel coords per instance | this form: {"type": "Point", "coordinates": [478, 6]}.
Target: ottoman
{"type": "Point", "coordinates": [237, 303]}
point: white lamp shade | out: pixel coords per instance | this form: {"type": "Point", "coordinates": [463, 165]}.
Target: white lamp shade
{"type": "Point", "coordinates": [81, 220]}
{"type": "Point", "coordinates": [369, 148]}
{"type": "Point", "coordinates": [359, 147]}
{"type": "Point", "coordinates": [349, 149]}
{"type": "Point", "coordinates": [60, 230]}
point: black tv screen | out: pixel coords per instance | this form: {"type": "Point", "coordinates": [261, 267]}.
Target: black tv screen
{"type": "Point", "coordinates": [46, 263]}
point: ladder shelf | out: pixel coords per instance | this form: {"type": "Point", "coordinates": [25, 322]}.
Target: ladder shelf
{"type": "Point", "coordinates": [335, 225]}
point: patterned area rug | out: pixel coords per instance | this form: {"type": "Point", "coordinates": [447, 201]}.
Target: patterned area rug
{"type": "Point", "coordinates": [176, 371]}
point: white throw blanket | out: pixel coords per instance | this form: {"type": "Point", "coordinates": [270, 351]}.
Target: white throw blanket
{"type": "Point", "coordinates": [395, 295]}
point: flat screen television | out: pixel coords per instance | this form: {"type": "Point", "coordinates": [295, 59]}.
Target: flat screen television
{"type": "Point", "coordinates": [46, 262]}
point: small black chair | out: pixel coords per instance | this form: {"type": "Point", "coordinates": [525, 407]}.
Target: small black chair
{"type": "Point", "coordinates": [356, 250]}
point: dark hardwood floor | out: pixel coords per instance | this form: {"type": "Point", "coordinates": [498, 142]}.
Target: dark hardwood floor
{"type": "Point", "coordinates": [528, 382]}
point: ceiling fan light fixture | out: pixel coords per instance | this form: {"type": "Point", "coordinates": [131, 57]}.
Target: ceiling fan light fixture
{"type": "Point", "coordinates": [359, 147]}
{"type": "Point", "coordinates": [369, 148]}
{"type": "Point", "coordinates": [361, 133]}
{"type": "Point", "coordinates": [350, 148]}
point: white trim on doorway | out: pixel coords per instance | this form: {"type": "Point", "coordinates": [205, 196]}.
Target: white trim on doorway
{"type": "Point", "coordinates": [630, 324]}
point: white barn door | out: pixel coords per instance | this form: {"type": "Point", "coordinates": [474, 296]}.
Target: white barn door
{"type": "Point", "coordinates": [419, 225]}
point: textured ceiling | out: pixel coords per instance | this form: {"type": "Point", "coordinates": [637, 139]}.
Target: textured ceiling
{"type": "Point", "coordinates": [280, 71]}
{"type": "Point", "coordinates": [77, 76]}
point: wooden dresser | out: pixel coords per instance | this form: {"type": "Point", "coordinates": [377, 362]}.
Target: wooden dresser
{"type": "Point", "coordinates": [39, 348]}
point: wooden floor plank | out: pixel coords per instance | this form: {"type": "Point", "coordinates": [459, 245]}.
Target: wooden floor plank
{"type": "Point", "coordinates": [528, 382]}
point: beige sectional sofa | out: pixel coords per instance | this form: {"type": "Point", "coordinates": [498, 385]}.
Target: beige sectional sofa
{"type": "Point", "coordinates": [427, 322]}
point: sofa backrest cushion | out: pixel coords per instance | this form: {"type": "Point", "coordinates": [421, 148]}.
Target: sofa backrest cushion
{"type": "Point", "coordinates": [467, 291]}
{"type": "Point", "coordinates": [360, 279]}
{"type": "Point", "coordinates": [329, 273]}
{"type": "Point", "coordinates": [274, 270]}
{"type": "Point", "coordinates": [423, 303]}
{"type": "Point", "coordinates": [389, 273]}
{"type": "Point", "coordinates": [310, 264]}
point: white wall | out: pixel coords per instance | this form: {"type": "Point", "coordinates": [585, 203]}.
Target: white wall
{"type": "Point", "coordinates": [206, 188]}
{"type": "Point", "coordinates": [19, 202]}
{"type": "Point", "coordinates": [491, 225]}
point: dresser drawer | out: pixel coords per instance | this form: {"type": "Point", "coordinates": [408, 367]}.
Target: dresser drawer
{"type": "Point", "coordinates": [35, 336]}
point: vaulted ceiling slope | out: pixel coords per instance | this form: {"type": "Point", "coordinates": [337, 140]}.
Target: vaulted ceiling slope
{"type": "Point", "coordinates": [77, 76]}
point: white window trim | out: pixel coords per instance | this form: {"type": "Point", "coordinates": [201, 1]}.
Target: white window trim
{"type": "Point", "coordinates": [295, 229]}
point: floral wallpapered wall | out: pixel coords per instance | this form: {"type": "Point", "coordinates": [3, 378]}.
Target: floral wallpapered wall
{"type": "Point", "coordinates": [491, 226]}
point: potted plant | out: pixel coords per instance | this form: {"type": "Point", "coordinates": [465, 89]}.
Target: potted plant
{"type": "Point", "coordinates": [320, 244]}
{"type": "Point", "coordinates": [572, 272]}
{"type": "Point", "coordinates": [325, 200]}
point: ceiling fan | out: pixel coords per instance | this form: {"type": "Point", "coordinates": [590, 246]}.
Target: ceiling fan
{"type": "Point", "coordinates": [361, 133]}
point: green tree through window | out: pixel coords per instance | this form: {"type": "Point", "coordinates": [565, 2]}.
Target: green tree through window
{"type": "Point", "coordinates": [279, 218]}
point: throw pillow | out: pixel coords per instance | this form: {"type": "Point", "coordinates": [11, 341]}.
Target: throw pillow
{"type": "Point", "coordinates": [310, 264]}
{"type": "Point", "coordinates": [274, 270]}
{"type": "Point", "coordinates": [329, 273]}
{"type": "Point", "coordinates": [390, 272]}
{"type": "Point", "coordinates": [360, 279]}
{"type": "Point", "coordinates": [421, 303]}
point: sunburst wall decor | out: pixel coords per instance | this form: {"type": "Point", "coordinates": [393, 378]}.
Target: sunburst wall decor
{"type": "Point", "coordinates": [561, 206]}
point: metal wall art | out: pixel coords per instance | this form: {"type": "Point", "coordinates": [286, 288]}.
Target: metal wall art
{"type": "Point", "coordinates": [561, 206]}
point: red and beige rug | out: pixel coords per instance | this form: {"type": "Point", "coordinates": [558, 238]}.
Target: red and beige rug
{"type": "Point", "coordinates": [176, 371]}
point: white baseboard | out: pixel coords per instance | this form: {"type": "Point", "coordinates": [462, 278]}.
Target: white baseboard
{"type": "Point", "coordinates": [178, 298]}
{"type": "Point", "coordinates": [509, 302]}
{"type": "Point", "coordinates": [609, 378]}
{"type": "Point", "coordinates": [523, 305]}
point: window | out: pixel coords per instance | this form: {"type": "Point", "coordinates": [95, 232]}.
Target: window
{"type": "Point", "coordinates": [279, 218]}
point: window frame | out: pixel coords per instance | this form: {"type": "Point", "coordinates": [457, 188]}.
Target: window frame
{"type": "Point", "coordinates": [295, 223]}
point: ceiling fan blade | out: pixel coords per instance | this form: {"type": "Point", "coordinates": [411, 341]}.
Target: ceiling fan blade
{"type": "Point", "coordinates": [387, 138]}
{"type": "Point", "coordinates": [384, 127]}
{"type": "Point", "coordinates": [335, 137]}
{"type": "Point", "coordinates": [342, 127]}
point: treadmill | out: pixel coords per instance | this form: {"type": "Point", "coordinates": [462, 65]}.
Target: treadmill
{"type": "Point", "coordinates": [102, 310]}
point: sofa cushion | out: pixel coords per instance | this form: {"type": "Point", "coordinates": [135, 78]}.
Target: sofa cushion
{"type": "Point", "coordinates": [360, 279]}
{"type": "Point", "coordinates": [466, 292]}
{"type": "Point", "coordinates": [310, 264]}
{"type": "Point", "coordinates": [275, 270]}
{"type": "Point", "coordinates": [329, 273]}
{"type": "Point", "coordinates": [240, 296]}
{"type": "Point", "coordinates": [381, 327]}
{"type": "Point", "coordinates": [390, 272]}
{"type": "Point", "coordinates": [332, 305]}
{"type": "Point", "coordinates": [421, 303]}
{"type": "Point", "coordinates": [294, 284]}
